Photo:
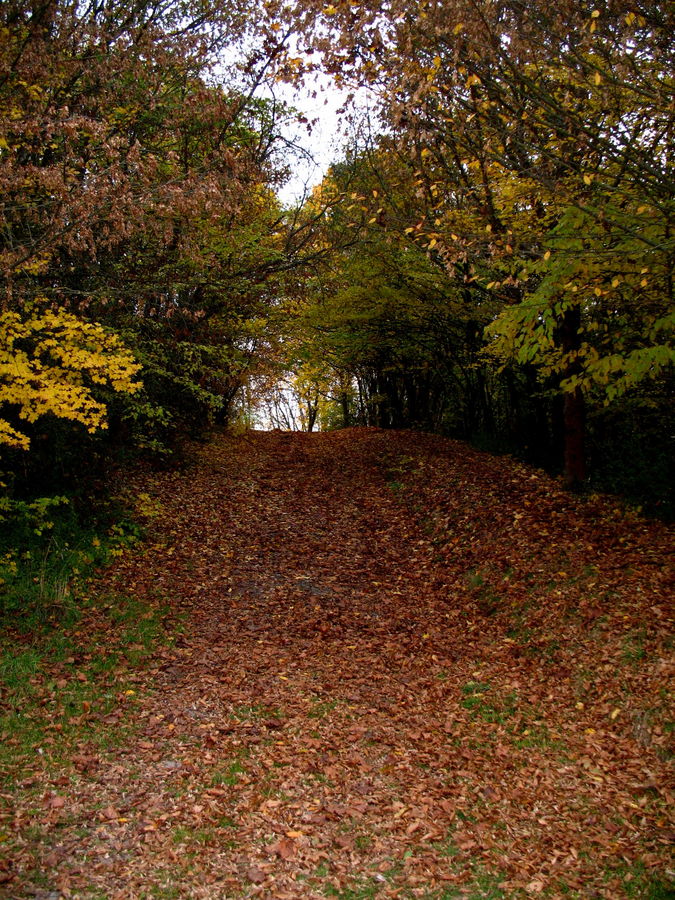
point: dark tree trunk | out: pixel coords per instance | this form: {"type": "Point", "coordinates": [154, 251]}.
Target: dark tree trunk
{"type": "Point", "coordinates": [575, 440]}
{"type": "Point", "coordinates": [344, 403]}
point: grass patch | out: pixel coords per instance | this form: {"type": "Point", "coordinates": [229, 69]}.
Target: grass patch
{"type": "Point", "coordinates": [447, 848]}
{"type": "Point", "coordinates": [484, 886]}
{"type": "Point", "coordinates": [164, 892]}
{"type": "Point", "coordinates": [363, 842]}
{"type": "Point", "coordinates": [488, 601]}
{"type": "Point", "coordinates": [59, 685]}
{"type": "Point", "coordinates": [361, 889]}
{"type": "Point", "coordinates": [185, 835]}
{"type": "Point", "coordinates": [229, 776]}
{"type": "Point", "coordinates": [536, 736]}
{"type": "Point", "coordinates": [67, 700]}
{"type": "Point", "coordinates": [45, 559]}
{"type": "Point", "coordinates": [633, 650]}
{"type": "Point", "coordinates": [630, 881]}
{"type": "Point", "coordinates": [18, 669]}
{"type": "Point", "coordinates": [322, 708]}
{"type": "Point", "coordinates": [482, 703]}
{"type": "Point", "coordinates": [249, 713]}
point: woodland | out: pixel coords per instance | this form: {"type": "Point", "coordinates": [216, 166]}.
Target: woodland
{"type": "Point", "coordinates": [412, 639]}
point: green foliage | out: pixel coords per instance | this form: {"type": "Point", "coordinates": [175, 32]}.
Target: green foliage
{"type": "Point", "coordinates": [47, 549]}
{"type": "Point", "coordinates": [513, 222]}
{"type": "Point", "coordinates": [616, 270]}
{"type": "Point", "coordinates": [25, 518]}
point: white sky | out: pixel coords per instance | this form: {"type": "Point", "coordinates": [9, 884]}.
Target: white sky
{"type": "Point", "coordinates": [326, 141]}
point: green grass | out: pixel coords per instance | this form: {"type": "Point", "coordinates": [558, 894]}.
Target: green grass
{"type": "Point", "coordinates": [482, 703]}
{"type": "Point", "coordinates": [61, 681]}
{"type": "Point", "coordinates": [632, 882]}
{"type": "Point", "coordinates": [633, 649]}
{"type": "Point", "coordinates": [538, 737]}
{"type": "Point", "coordinates": [229, 776]}
{"type": "Point", "coordinates": [163, 892]}
{"type": "Point", "coordinates": [185, 835]}
{"type": "Point", "coordinates": [484, 886]}
{"type": "Point", "coordinates": [363, 842]}
{"type": "Point", "coordinates": [322, 708]}
{"type": "Point", "coordinates": [447, 848]}
{"type": "Point", "coordinates": [45, 560]}
{"type": "Point", "coordinates": [66, 683]}
{"type": "Point", "coordinates": [362, 889]}
{"type": "Point", "coordinates": [18, 668]}
{"type": "Point", "coordinates": [487, 598]}
{"type": "Point", "coordinates": [247, 713]}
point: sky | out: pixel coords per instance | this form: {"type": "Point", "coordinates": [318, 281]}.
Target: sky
{"type": "Point", "coordinates": [327, 139]}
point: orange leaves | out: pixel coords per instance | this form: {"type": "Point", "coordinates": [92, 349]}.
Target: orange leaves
{"type": "Point", "coordinates": [56, 802]}
{"type": "Point", "coordinates": [489, 753]}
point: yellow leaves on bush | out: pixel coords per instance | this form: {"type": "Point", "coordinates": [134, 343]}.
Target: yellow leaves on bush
{"type": "Point", "coordinates": [11, 436]}
{"type": "Point", "coordinates": [49, 363]}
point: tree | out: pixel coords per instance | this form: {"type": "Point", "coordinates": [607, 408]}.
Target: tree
{"type": "Point", "coordinates": [137, 202]}
{"type": "Point", "coordinates": [393, 338]}
{"type": "Point", "coordinates": [521, 124]}
{"type": "Point", "coordinates": [49, 363]}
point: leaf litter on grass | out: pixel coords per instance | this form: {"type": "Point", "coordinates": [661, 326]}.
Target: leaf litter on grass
{"type": "Point", "coordinates": [428, 692]}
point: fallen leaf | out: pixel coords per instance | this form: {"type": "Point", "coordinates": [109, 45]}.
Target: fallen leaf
{"type": "Point", "coordinates": [256, 875]}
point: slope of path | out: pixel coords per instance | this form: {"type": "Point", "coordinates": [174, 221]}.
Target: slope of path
{"type": "Point", "coordinates": [345, 709]}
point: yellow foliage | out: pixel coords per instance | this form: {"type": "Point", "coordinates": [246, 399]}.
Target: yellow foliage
{"type": "Point", "coordinates": [48, 362]}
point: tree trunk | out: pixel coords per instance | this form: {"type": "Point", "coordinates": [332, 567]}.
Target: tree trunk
{"type": "Point", "coordinates": [575, 443]}
{"type": "Point", "coordinates": [344, 403]}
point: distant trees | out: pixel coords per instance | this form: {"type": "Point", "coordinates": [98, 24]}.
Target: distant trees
{"type": "Point", "coordinates": [526, 151]}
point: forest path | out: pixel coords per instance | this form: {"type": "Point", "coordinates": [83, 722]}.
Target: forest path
{"type": "Point", "coordinates": [406, 670]}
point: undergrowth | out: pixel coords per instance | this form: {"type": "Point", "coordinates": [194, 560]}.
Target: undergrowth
{"type": "Point", "coordinates": [67, 650]}
{"type": "Point", "coordinates": [48, 550]}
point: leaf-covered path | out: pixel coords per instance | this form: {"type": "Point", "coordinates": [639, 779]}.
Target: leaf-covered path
{"type": "Point", "coordinates": [406, 669]}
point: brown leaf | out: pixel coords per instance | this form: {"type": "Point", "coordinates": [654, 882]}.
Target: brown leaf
{"type": "Point", "coordinates": [256, 875]}
{"type": "Point", "coordinates": [285, 848]}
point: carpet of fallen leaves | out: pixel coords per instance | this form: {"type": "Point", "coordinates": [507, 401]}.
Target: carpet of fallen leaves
{"type": "Point", "coordinates": [407, 669]}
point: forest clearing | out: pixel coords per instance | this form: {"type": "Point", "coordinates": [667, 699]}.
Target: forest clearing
{"type": "Point", "coordinates": [356, 664]}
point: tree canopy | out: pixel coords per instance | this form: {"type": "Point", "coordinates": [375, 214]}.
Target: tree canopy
{"type": "Point", "coordinates": [491, 258]}
{"type": "Point", "coordinates": [526, 150]}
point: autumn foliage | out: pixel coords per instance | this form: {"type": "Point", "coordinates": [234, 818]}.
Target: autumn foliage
{"type": "Point", "coordinates": [373, 661]}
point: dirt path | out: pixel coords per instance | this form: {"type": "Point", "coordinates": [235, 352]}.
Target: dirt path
{"type": "Point", "coordinates": [407, 670]}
